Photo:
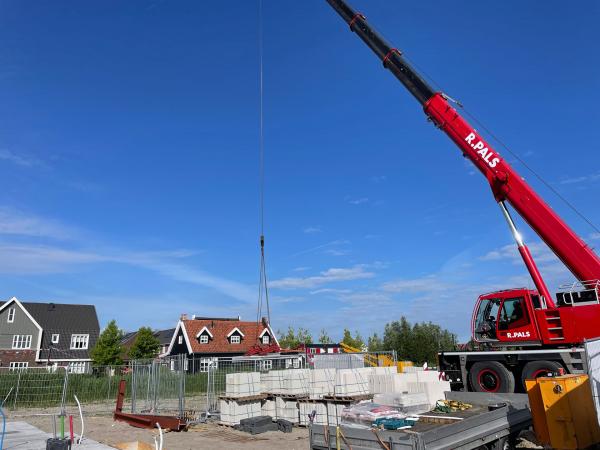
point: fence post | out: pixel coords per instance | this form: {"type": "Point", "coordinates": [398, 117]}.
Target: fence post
{"type": "Point", "coordinates": [181, 388]}
{"type": "Point", "coordinates": [133, 386]}
{"type": "Point", "coordinates": [156, 386]}
{"type": "Point", "coordinates": [64, 392]}
{"type": "Point", "coordinates": [17, 390]}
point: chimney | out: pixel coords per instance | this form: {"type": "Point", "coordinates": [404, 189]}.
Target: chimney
{"type": "Point", "coordinates": [183, 317]}
{"type": "Point", "coordinates": [265, 322]}
{"type": "Point", "coordinates": [193, 316]}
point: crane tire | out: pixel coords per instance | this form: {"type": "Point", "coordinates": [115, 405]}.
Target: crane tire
{"type": "Point", "coordinates": [491, 376]}
{"type": "Point", "coordinates": [535, 369]}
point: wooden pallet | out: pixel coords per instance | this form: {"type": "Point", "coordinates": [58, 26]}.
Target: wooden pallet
{"type": "Point", "coordinates": [249, 398]}
{"type": "Point", "coordinates": [347, 398]}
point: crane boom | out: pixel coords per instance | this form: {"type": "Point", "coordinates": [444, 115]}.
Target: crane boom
{"type": "Point", "coordinates": [505, 182]}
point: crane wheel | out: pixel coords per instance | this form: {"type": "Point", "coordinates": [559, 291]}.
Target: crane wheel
{"type": "Point", "coordinates": [536, 369]}
{"type": "Point", "coordinates": [491, 376]}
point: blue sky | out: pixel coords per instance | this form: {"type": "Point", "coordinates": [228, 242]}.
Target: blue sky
{"type": "Point", "coordinates": [129, 156]}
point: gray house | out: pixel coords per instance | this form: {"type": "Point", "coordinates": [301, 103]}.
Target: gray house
{"type": "Point", "coordinates": [47, 334]}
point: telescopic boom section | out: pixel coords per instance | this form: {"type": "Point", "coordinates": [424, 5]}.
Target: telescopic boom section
{"type": "Point", "coordinates": [505, 182]}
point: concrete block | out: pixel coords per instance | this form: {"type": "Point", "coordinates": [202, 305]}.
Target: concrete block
{"type": "Point", "coordinates": [286, 409]}
{"type": "Point", "coordinates": [334, 413]}
{"type": "Point", "coordinates": [232, 411]}
{"type": "Point", "coordinates": [268, 408]}
{"type": "Point", "coordinates": [307, 408]}
{"type": "Point", "coordinates": [413, 403]}
{"type": "Point", "coordinates": [242, 384]}
{"type": "Point", "coordinates": [352, 382]}
{"type": "Point", "coordinates": [321, 382]}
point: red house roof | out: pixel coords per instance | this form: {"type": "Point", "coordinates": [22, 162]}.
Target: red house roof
{"type": "Point", "coordinates": [219, 332]}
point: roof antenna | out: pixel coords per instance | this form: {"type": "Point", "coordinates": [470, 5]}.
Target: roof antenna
{"type": "Point", "coordinates": [263, 292]}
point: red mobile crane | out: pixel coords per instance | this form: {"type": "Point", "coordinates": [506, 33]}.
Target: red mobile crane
{"type": "Point", "coordinates": [528, 333]}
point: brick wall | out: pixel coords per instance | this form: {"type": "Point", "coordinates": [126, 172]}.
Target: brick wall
{"type": "Point", "coordinates": [8, 356]}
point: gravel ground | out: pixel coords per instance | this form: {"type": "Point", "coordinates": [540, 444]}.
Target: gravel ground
{"type": "Point", "coordinates": [212, 436]}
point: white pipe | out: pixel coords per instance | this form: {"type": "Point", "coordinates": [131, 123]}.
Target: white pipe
{"type": "Point", "coordinates": [161, 436]}
{"type": "Point", "coordinates": [81, 416]}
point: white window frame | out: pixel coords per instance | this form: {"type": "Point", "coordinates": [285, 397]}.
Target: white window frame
{"type": "Point", "coordinates": [21, 342]}
{"type": "Point", "coordinates": [266, 339]}
{"type": "Point", "coordinates": [206, 363]}
{"type": "Point", "coordinates": [180, 340]}
{"type": "Point", "coordinates": [10, 318]}
{"type": "Point", "coordinates": [296, 363]}
{"type": "Point", "coordinates": [76, 367]}
{"type": "Point", "coordinates": [55, 338]}
{"type": "Point", "coordinates": [203, 339]}
{"type": "Point", "coordinates": [235, 339]}
{"type": "Point", "coordinates": [80, 341]}
{"type": "Point", "coordinates": [18, 366]}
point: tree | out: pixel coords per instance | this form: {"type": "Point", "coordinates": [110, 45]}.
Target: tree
{"type": "Point", "coordinates": [145, 346]}
{"type": "Point", "coordinates": [293, 339]}
{"type": "Point", "coordinates": [356, 341]}
{"type": "Point", "coordinates": [324, 337]}
{"type": "Point", "coordinates": [108, 349]}
{"type": "Point", "coordinates": [375, 343]}
{"type": "Point", "coordinates": [419, 343]}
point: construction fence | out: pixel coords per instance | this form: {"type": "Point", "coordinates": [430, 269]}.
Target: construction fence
{"type": "Point", "coordinates": [179, 385]}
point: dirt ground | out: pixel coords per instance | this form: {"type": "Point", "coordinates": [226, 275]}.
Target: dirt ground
{"type": "Point", "coordinates": [206, 436]}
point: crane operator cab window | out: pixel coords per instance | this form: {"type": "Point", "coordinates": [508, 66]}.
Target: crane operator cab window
{"type": "Point", "coordinates": [485, 321]}
{"type": "Point", "coordinates": [513, 314]}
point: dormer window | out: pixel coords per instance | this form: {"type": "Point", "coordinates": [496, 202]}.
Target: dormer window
{"type": "Point", "coordinates": [235, 339]}
{"type": "Point", "coordinates": [265, 339]}
{"type": "Point", "coordinates": [204, 335]}
{"type": "Point", "coordinates": [204, 339]}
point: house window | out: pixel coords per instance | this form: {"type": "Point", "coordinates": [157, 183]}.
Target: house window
{"type": "Point", "coordinates": [267, 364]}
{"type": "Point", "coordinates": [79, 341]}
{"type": "Point", "coordinates": [76, 367]}
{"type": "Point", "coordinates": [206, 363]}
{"type": "Point", "coordinates": [312, 350]}
{"type": "Point", "coordinates": [204, 339]}
{"type": "Point", "coordinates": [265, 339]}
{"type": "Point", "coordinates": [18, 366]}
{"type": "Point", "coordinates": [180, 339]}
{"type": "Point", "coordinates": [55, 338]}
{"type": "Point", "coordinates": [21, 341]}
{"type": "Point", "coordinates": [11, 315]}
{"type": "Point", "coordinates": [296, 364]}
{"type": "Point", "coordinates": [235, 339]}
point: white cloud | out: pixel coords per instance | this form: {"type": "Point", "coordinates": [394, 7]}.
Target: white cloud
{"type": "Point", "coordinates": [312, 230]}
{"type": "Point", "coordinates": [336, 252]}
{"type": "Point", "coordinates": [595, 236]}
{"type": "Point", "coordinates": [30, 259]}
{"type": "Point", "coordinates": [322, 246]}
{"type": "Point", "coordinates": [19, 160]}
{"type": "Point", "coordinates": [332, 275]}
{"type": "Point", "coordinates": [378, 178]}
{"type": "Point", "coordinates": [357, 201]}
{"type": "Point", "coordinates": [13, 222]}
{"type": "Point", "coordinates": [581, 179]}
{"type": "Point", "coordinates": [301, 269]}
{"type": "Point", "coordinates": [428, 283]}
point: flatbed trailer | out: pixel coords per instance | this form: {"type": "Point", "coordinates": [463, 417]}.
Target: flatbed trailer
{"type": "Point", "coordinates": [492, 422]}
{"type": "Point", "coordinates": [459, 369]}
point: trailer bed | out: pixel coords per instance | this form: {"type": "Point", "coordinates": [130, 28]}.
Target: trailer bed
{"type": "Point", "coordinates": [478, 426]}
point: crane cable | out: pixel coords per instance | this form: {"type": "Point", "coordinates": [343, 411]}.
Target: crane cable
{"type": "Point", "coordinates": [514, 154]}
{"type": "Point", "coordinates": [263, 292]}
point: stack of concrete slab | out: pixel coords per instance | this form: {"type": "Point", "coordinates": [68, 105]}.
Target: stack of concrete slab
{"type": "Point", "coordinates": [286, 409]}
{"type": "Point", "coordinates": [293, 382]}
{"type": "Point", "coordinates": [307, 407]}
{"type": "Point", "coordinates": [232, 411]}
{"type": "Point", "coordinates": [242, 384]}
{"type": "Point", "coordinates": [412, 385]}
{"type": "Point", "coordinates": [321, 382]}
{"type": "Point", "coordinates": [268, 407]}
{"type": "Point", "coordinates": [271, 381]}
{"type": "Point", "coordinates": [352, 382]}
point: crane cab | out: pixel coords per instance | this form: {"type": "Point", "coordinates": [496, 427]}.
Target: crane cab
{"type": "Point", "coordinates": [507, 318]}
